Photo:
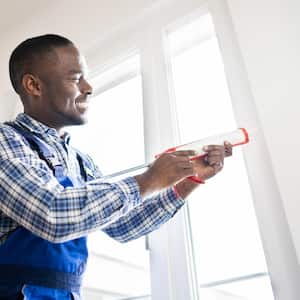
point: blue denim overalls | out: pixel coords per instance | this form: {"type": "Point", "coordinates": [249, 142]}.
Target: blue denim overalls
{"type": "Point", "coordinates": [32, 266]}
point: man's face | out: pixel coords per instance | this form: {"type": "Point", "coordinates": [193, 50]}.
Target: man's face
{"type": "Point", "coordinates": [65, 91]}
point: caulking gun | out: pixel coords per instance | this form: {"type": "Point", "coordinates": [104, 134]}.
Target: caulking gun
{"type": "Point", "coordinates": [237, 137]}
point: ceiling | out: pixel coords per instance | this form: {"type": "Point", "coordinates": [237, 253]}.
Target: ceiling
{"type": "Point", "coordinates": [14, 13]}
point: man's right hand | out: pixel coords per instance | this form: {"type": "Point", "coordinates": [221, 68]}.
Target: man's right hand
{"type": "Point", "coordinates": [166, 170]}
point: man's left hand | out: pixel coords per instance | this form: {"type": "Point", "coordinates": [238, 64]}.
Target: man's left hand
{"type": "Point", "coordinates": [212, 163]}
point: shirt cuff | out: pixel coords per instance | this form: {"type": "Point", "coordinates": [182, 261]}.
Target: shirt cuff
{"type": "Point", "coordinates": [170, 202]}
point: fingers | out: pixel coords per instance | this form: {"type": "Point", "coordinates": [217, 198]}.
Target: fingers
{"type": "Point", "coordinates": [184, 153]}
{"type": "Point", "coordinates": [182, 163]}
{"type": "Point", "coordinates": [228, 149]}
{"type": "Point", "coordinates": [215, 156]}
{"type": "Point", "coordinates": [186, 168]}
{"type": "Point", "coordinates": [225, 150]}
{"type": "Point", "coordinates": [213, 147]}
{"type": "Point", "coordinates": [171, 167]}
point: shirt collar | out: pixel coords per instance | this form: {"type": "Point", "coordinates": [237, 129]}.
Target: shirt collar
{"type": "Point", "coordinates": [35, 126]}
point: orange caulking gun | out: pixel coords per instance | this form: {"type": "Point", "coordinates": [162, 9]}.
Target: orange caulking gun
{"type": "Point", "coordinates": [237, 137]}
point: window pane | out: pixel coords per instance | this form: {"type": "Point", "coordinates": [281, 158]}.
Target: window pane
{"type": "Point", "coordinates": [253, 289]}
{"type": "Point", "coordinates": [114, 135]}
{"type": "Point", "coordinates": [114, 138]}
{"type": "Point", "coordinates": [224, 231]}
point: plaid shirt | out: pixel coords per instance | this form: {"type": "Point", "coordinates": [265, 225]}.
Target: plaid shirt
{"type": "Point", "coordinates": [32, 197]}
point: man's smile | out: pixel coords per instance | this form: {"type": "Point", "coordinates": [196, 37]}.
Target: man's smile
{"type": "Point", "coordinates": [82, 105]}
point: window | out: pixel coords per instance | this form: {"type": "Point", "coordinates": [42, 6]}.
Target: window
{"type": "Point", "coordinates": [114, 138]}
{"type": "Point", "coordinates": [228, 254]}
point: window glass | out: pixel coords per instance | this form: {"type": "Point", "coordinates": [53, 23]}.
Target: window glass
{"type": "Point", "coordinates": [228, 253]}
{"type": "Point", "coordinates": [114, 138]}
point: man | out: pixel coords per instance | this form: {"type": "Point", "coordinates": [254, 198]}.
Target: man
{"type": "Point", "coordinates": [49, 198]}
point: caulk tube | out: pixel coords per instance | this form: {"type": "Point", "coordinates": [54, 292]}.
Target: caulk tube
{"type": "Point", "coordinates": [237, 137]}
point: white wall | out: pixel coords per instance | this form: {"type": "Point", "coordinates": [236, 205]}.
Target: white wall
{"type": "Point", "coordinates": [84, 22]}
{"type": "Point", "coordinates": [268, 33]}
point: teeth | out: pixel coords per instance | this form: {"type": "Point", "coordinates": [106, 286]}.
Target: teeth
{"type": "Point", "coordinates": [83, 105]}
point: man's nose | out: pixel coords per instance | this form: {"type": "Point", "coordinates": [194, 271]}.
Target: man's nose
{"type": "Point", "coordinates": [86, 88]}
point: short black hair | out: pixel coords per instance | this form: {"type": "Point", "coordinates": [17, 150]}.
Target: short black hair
{"type": "Point", "coordinates": [28, 52]}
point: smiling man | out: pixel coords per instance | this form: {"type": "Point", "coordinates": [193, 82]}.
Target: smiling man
{"type": "Point", "coordinates": [51, 83]}
{"type": "Point", "coordinates": [52, 196]}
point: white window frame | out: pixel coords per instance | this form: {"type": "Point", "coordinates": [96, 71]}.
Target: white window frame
{"type": "Point", "coordinates": [172, 276]}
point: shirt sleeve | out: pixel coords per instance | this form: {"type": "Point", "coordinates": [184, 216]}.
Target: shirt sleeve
{"type": "Point", "coordinates": [145, 217]}
{"type": "Point", "coordinates": [32, 197]}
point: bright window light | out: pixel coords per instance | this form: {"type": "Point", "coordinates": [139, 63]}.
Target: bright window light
{"type": "Point", "coordinates": [114, 138]}
{"type": "Point", "coordinates": [114, 135]}
{"type": "Point", "coordinates": [228, 254]}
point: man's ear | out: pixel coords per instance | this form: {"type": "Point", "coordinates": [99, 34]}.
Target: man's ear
{"type": "Point", "coordinates": [31, 85]}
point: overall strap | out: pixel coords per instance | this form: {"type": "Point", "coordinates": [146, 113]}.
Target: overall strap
{"type": "Point", "coordinates": [44, 151]}
{"type": "Point", "coordinates": [86, 167]}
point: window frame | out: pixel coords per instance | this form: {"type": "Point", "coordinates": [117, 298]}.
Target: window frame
{"type": "Point", "coordinates": [172, 274]}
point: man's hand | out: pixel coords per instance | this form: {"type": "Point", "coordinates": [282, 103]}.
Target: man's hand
{"type": "Point", "coordinates": [205, 167]}
{"type": "Point", "coordinates": [166, 171]}
{"type": "Point", "coordinates": [172, 168]}
{"type": "Point", "coordinates": [212, 163]}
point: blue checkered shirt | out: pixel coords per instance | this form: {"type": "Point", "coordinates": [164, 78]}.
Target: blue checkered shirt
{"type": "Point", "coordinates": [32, 197]}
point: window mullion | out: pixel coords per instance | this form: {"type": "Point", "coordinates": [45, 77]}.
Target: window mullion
{"type": "Point", "coordinates": [170, 278]}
